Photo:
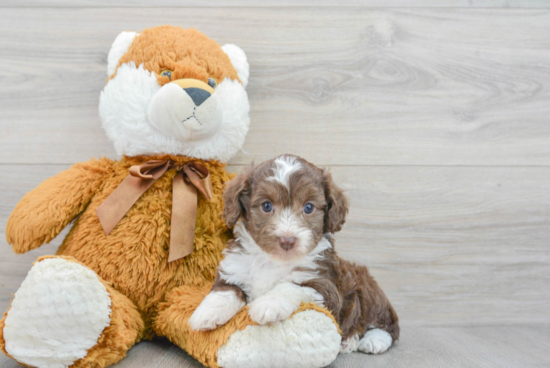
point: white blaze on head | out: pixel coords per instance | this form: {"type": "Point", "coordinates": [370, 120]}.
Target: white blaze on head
{"type": "Point", "coordinates": [284, 167]}
{"type": "Point", "coordinates": [287, 224]}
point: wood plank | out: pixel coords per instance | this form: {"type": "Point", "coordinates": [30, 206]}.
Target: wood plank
{"type": "Point", "coordinates": [419, 347]}
{"type": "Point", "coordinates": [281, 3]}
{"type": "Point", "coordinates": [374, 87]}
{"type": "Point", "coordinates": [459, 347]}
{"type": "Point", "coordinates": [158, 354]}
{"type": "Point", "coordinates": [456, 246]}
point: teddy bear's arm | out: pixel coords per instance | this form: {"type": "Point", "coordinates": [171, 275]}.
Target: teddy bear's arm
{"type": "Point", "coordinates": [43, 212]}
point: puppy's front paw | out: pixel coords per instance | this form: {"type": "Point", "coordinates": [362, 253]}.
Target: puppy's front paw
{"type": "Point", "coordinates": [349, 345]}
{"type": "Point", "coordinates": [215, 310]}
{"type": "Point", "coordinates": [270, 309]}
{"type": "Point", "coordinates": [375, 342]}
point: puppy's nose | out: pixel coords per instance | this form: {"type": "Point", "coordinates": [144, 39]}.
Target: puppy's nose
{"type": "Point", "coordinates": [287, 242]}
{"type": "Point", "coordinates": [197, 95]}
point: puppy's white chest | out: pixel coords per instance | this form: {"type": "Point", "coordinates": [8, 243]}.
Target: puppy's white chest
{"type": "Point", "coordinates": [256, 274]}
{"type": "Point", "coordinates": [250, 268]}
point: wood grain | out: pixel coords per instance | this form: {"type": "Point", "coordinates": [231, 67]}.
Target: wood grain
{"type": "Point", "coordinates": [282, 3]}
{"type": "Point", "coordinates": [433, 114]}
{"type": "Point", "coordinates": [419, 347]}
{"type": "Point", "coordinates": [372, 86]}
{"type": "Point", "coordinates": [450, 246]}
{"type": "Point", "coordinates": [460, 347]}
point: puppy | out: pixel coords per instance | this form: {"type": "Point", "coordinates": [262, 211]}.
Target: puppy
{"type": "Point", "coordinates": [284, 213]}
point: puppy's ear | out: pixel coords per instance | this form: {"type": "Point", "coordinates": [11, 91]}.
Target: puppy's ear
{"type": "Point", "coordinates": [337, 205]}
{"type": "Point", "coordinates": [236, 198]}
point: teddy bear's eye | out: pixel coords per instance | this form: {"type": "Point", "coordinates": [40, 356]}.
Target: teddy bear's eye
{"type": "Point", "coordinates": [212, 82]}
{"type": "Point", "coordinates": [166, 73]}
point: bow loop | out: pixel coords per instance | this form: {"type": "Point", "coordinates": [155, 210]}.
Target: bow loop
{"type": "Point", "coordinates": [153, 169]}
{"type": "Point", "coordinates": [189, 179]}
{"type": "Point", "coordinates": [199, 176]}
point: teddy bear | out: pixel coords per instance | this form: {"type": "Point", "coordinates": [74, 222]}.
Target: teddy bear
{"type": "Point", "coordinates": [148, 230]}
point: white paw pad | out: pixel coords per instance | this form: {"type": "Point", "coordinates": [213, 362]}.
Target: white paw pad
{"type": "Point", "coordinates": [349, 345]}
{"type": "Point", "coordinates": [308, 339]}
{"type": "Point", "coordinates": [215, 310]}
{"type": "Point", "coordinates": [57, 315]}
{"type": "Point", "coordinates": [375, 342]}
{"type": "Point", "coordinates": [270, 309]}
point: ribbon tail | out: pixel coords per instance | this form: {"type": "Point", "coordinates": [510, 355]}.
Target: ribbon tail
{"type": "Point", "coordinates": [119, 202]}
{"type": "Point", "coordinates": [184, 215]}
{"type": "Point", "coordinates": [115, 207]}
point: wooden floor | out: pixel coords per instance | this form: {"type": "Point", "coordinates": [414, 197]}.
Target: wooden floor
{"type": "Point", "coordinates": [420, 347]}
{"type": "Point", "coordinates": [433, 114]}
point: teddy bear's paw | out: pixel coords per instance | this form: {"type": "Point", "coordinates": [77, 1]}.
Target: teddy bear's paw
{"type": "Point", "coordinates": [375, 341]}
{"type": "Point", "coordinates": [215, 310]}
{"type": "Point", "coordinates": [308, 339]}
{"type": "Point", "coordinates": [270, 309]}
{"type": "Point", "coordinates": [57, 315]}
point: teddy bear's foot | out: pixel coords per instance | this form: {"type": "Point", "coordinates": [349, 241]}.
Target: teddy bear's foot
{"type": "Point", "coordinates": [58, 314]}
{"type": "Point", "coordinates": [308, 339]}
{"type": "Point", "coordinates": [64, 315]}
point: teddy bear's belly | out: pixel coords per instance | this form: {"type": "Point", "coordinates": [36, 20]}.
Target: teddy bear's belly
{"type": "Point", "coordinates": [134, 256]}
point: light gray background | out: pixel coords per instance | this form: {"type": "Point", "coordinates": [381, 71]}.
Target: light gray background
{"type": "Point", "coordinates": [434, 115]}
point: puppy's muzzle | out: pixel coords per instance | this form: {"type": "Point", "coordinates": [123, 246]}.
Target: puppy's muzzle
{"type": "Point", "coordinates": [196, 89]}
{"type": "Point", "coordinates": [287, 242]}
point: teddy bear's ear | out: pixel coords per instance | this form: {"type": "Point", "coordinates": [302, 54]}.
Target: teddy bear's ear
{"type": "Point", "coordinates": [119, 48]}
{"type": "Point", "coordinates": [238, 59]}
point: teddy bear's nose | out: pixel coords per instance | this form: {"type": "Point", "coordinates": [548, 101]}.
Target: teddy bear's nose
{"type": "Point", "coordinates": [198, 95]}
{"type": "Point", "coordinates": [196, 89]}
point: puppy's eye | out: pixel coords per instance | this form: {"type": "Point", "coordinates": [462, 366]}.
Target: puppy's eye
{"type": "Point", "coordinates": [309, 208]}
{"type": "Point", "coordinates": [267, 207]}
{"type": "Point", "coordinates": [212, 82]}
{"type": "Point", "coordinates": [166, 73]}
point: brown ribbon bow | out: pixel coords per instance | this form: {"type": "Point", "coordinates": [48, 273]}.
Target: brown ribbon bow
{"type": "Point", "coordinates": [189, 178]}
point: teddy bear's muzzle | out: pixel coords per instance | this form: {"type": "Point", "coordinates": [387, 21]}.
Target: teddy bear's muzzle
{"type": "Point", "coordinates": [186, 109]}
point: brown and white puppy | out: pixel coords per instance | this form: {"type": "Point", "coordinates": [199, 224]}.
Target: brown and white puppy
{"type": "Point", "coordinates": [284, 213]}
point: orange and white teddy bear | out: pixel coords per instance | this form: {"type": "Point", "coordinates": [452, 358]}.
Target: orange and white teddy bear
{"type": "Point", "coordinates": [174, 106]}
